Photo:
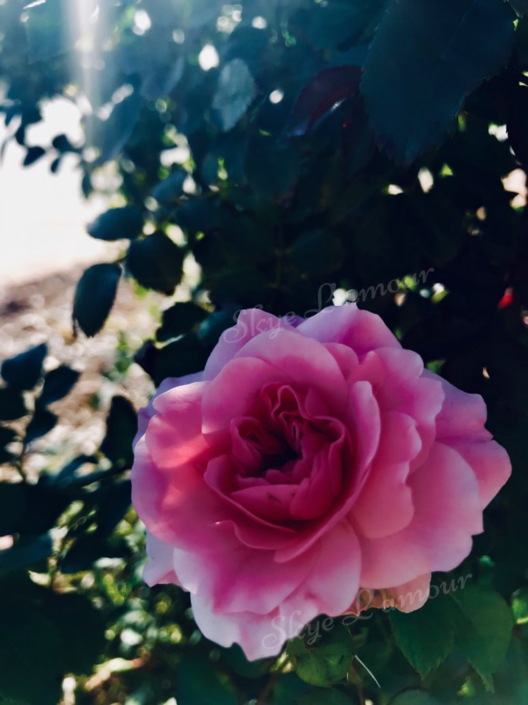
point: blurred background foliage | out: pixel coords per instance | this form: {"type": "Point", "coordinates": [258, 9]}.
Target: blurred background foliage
{"type": "Point", "coordinates": [279, 154]}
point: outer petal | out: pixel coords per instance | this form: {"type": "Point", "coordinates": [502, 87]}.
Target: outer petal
{"type": "Point", "coordinates": [160, 566]}
{"type": "Point", "coordinates": [447, 513]}
{"type": "Point", "coordinates": [147, 412]}
{"type": "Point", "coordinates": [242, 580]}
{"type": "Point", "coordinates": [329, 589]}
{"type": "Point", "coordinates": [462, 414]}
{"type": "Point", "coordinates": [250, 323]}
{"type": "Point", "coordinates": [360, 330]}
{"type": "Point", "coordinates": [490, 463]}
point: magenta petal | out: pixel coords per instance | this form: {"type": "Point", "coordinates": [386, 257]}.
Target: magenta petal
{"type": "Point", "coordinates": [385, 505]}
{"type": "Point", "coordinates": [447, 513]}
{"type": "Point", "coordinates": [360, 330]}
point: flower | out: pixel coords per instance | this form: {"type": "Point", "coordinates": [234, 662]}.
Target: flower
{"type": "Point", "coordinates": [311, 459]}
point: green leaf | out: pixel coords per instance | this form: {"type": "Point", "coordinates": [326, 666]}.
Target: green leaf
{"type": "Point", "coordinates": [43, 422]}
{"type": "Point", "coordinates": [156, 263]}
{"type": "Point", "coordinates": [171, 188]}
{"type": "Point", "coordinates": [234, 93]}
{"type": "Point", "coordinates": [326, 662]}
{"type": "Point", "coordinates": [121, 427]}
{"type": "Point", "coordinates": [29, 509]}
{"type": "Point", "coordinates": [272, 167]}
{"type": "Point", "coordinates": [425, 59]}
{"type": "Point", "coordinates": [49, 636]}
{"type": "Point", "coordinates": [33, 154]}
{"type": "Point", "coordinates": [181, 357]}
{"type": "Point", "coordinates": [426, 636]}
{"type": "Point", "coordinates": [12, 404]}
{"type": "Point", "coordinates": [180, 319]}
{"type": "Point", "coordinates": [317, 252]}
{"type": "Point", "coordinates": [414, 697]}
{"type": "Point", "coordinates": [197, 681]}
{"type": "Point", "coordinates": [25, 370]}
{"type": "Point", "coordinates": [57, 384]}
{"type": "Point", "coordinates": [113, 134]}
{"type": "Point", "coordinates": [94, 296]}
{"type": "Point", "coordinates": [26, 553]}
{"type": "Point", "coordinates": [520, 7]}
{"type": "Point", "coordinates": [483, 629]}
{"type": "Point", "coordinates": [117, 224]}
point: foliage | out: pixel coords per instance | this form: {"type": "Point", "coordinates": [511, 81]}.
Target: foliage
{"type": "Point", "coordinates": [290, 149]}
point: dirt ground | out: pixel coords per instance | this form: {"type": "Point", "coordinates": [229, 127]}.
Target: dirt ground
{"type": "Point", "coordinates": [41, 312]}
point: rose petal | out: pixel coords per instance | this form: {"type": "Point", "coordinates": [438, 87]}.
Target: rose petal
{"type": "Point", "coordinates": [447, 514]}
{"type": "Point", "coordinates": [160, 565]}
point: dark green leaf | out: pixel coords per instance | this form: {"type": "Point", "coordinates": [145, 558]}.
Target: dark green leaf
{"type": "Point", "coordinates": [57, 384]}
{"type": "Point", "coordinates": [29, 509]}
{"type": "Point", "coordinates": [26, 553]}
{"type": "Point", "coordinates": [483, 629]}
{"type": "Point", "coordinates": [42, 422]}
{"type": "Point", "coordinates": [197, 681]}
{"type": "Point", "coordinates": [272, 167]}
{"type": "Point", "coordinates": [114, 133]}
{"type": "Point", "coordinates": [11, 404]}
{"type": "Point", "coordinates": [118, 223]}
{"type": "Point", "coordinates": [317, 252]}
{"type": "Point", "coordinates": [425, 59]}
{"type": "Point", "coordinates": [325, 662]}
{"type": "Point", "coordinates": [181, 357]}
{"type": "Point", "coordinates": [414, 697]}
{"type": "Point", "coordinates": [33, 154]}
{"type": "Point", "coordinates": [234, 94]}
{"type": "Point", "coordinates": [171, 188]}
{"type": "Point", "coordinates": [121, 427]}
{"type": "Point", "coordinates": [179, 319]}
{"type": "Point", "coordinates": [94, 296]}
{"type": "Point", "coordinates": [25, 370]}
{"type": "Point", "coordinates": [156, 263]}
{"type": "Point", "coordinates": [425, 636]}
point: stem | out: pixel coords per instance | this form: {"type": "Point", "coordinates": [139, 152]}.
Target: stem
{"type": "Point", "coordinates": [261, 700]}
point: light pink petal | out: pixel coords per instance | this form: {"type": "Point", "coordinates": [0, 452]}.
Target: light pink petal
{"type": "Point", "coordinates": [241, 580]}
{"type": "Point", "coordinates": [462, 414]}
{"type": "Point", "coordinates": [329, 589]}
{"type": "Point", "coordinates": [300, 360]}
{"type": "Point", "coordinates": [447, 513]}
{"type": "Point", "coordinates": [412, 595]}
{"type": "Point", "coordinates": [489, 461]}
{"type": "Point", "coordinates": [360, 330]}
{"type": "Point", "coordinates": [250, 322]}
{"type": "Point", "coordinates": [160, 565]}
{"type": "Point", "coordinates": [174, 435]}
{"type": "Point", "coordinates": [385, 505]}
{"type": "Point", "coordinates": [178, 507]}
{"type": "Point", "coordinates": [147, 412]}
{"type": "Point", "coordinates": [234, 391]}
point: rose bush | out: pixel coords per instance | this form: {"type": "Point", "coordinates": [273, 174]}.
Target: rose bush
{"type": "Point", "coordinates": [310, 459]}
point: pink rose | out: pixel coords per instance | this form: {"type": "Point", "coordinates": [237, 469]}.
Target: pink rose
{"type": "Point", "coordinates": [310, 460]}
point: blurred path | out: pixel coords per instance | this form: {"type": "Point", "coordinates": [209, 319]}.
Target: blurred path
{"type": "Point", "coordinates": [42, 215]}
